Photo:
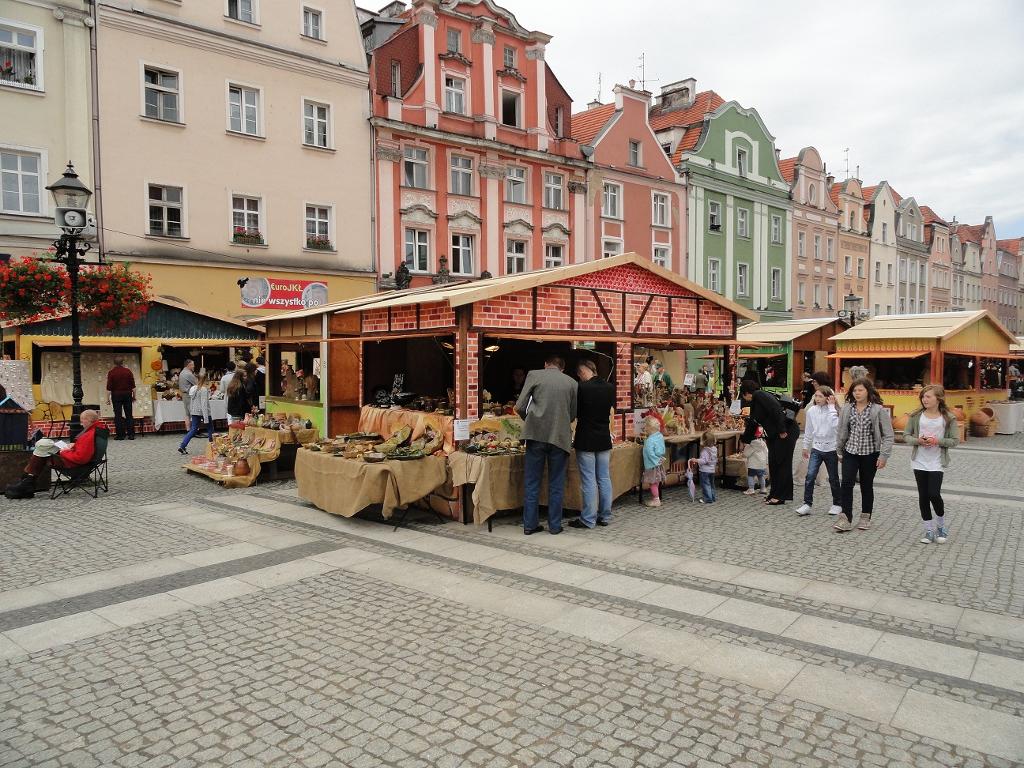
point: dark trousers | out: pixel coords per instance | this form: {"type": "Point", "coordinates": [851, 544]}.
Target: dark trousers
{"type": "Point", "coordinates": [37, 464]}
{"type": "Point", "coordinates": [831, 461]}
{"type": "Point", "coordinates": [865, 467]}
{"type": "Point", "coordinates": [780, 464]}
{"type": "Point", "coordinates": [537, 455]}
{"type": "Point", "coordinates": [929, 493]}
{"type": "Point", "coordinates": [123, 420]}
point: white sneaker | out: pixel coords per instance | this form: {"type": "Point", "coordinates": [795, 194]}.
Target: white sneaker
{"type": "Point", "coordinates": [835, 509]}
{"type": "Point", "coordinates": [750, 492]}
{"type": "Point", "coordinates": [803, 510]}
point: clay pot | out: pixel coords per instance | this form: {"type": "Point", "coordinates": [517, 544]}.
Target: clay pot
{"type": "Point", "coordinates": [959, 411]}
{"type": "Point", "coordinates": [982, 416]}
{"type": "Point", "coordinates": [241, 467]}
{"type": "Point", "coordinates": [900, 422]}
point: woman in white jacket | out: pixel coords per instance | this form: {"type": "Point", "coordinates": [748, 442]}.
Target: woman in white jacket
{"type": "Point", "coordinates": [820, 431]}
{"type": "Point", "coordinates": [199, 412]}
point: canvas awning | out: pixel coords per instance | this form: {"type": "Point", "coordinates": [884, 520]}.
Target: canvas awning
{"type": "Point", "coordinates": [932, 325]}
{"type": "Point", "coordinates": [781, 332]}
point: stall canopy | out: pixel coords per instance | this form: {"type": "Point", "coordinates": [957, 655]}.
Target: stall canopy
{"type": "Point", "coordinates": [781, 332]}
{"type": "Point", "coordinates": [962, 333]}
{"type": "Point", "coordinates": [804, 343]}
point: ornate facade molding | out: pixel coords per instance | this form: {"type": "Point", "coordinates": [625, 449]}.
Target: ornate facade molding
{"type": "Point", "coordinates": [428, 18]}
{"type": "Point", "coordinates": [465, 220]}
{"type": "Point", "coordinates": [518, 212]}
{"type": "Point", "coordinates": [390, 154]}
{"type": "Point", "coordinates": [556, 232]}
{"type": "Point", "coordinates": [418, 214]}
{"type": "Point", "coordinates": [513, 73]}
{"type": "Point", "coordinates": [412, 197]}
{"type": "Point", "coordinates": [457, 205]}
{"type": "Point", "coordinates": [578, 187]}
{"type": "Point", "coordinates": [455, 56]}
{"type": "Point", "coordinates": [518, 227]}
{"type": "Point", "coordinates": [535, 54]}
{"type": "Point", "coordinates": [481, 35]}
{"type": "Point", "coordinates": [491, 171]}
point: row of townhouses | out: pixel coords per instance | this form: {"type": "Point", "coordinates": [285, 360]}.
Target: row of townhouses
{"type": "Point", "coordinates": [236, 146]}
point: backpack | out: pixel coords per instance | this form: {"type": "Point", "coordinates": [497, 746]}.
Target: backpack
{"type": "Point", "coordinates": [790, 407]}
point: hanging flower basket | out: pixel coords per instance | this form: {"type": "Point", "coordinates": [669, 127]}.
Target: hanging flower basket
{"type": "Point", "coordinates": [31, 290]}
{"type": "Point", "coordinates": [113, 296]}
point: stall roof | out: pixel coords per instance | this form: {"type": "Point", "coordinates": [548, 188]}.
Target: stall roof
{"type": "Point", "coordinates": [933, 325]}
{"type": "Point", "coordinates": [458, 294]}
{"type": "Point", "coordinates": [782, 331]}
{"type": "Point", "coordinates": [877, 355]}
{"type": "Point", "coordinates": [1018, 346]}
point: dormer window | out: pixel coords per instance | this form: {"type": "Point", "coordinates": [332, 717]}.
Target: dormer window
{"type": "Point", "coordinates": [741, 161]}
{"type": "Point", "coordinates": [634, 153]}
{"type": "Point", "coordinates": [667, 148]}
{"type": "Point", "coordinates": [454, 41]}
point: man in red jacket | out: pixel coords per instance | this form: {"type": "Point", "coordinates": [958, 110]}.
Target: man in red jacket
{"type": "Point", "coordinates": [47, 453]}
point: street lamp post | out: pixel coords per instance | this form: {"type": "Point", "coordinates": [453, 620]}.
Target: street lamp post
{"type": "Point", "coordinates": [851, 310]}
{"type": "Point", "coordinates": [71, 216]}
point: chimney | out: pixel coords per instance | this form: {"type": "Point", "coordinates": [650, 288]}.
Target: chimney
{"type": "Point", "coordinates": [594, 104]}
{"type": "Point", "coordinates": [830, 180]}
{"type": "Point", "coordinates": [678, 95]}
{"type": "Point", "coordinates": [632, 83]}
{"type": "Point", "coordinates": [778, 154]}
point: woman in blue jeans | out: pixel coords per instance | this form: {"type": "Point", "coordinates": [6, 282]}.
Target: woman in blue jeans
{"type": "Point", "coordinates": [593, 444]}
{"type": "Point", "coordinates": [199, 407]}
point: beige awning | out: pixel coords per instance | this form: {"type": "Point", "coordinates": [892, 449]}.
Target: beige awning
{"type": "Point", "coordinates": [932, 325]}
{"type": "Point", "coordinates": [780, 332]}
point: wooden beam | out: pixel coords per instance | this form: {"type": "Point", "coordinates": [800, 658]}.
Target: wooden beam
{"type": "Point", "coordinates": [600, 304]}
{"type": "Point", "coordinates": [572, 309]}
{"type": "Point", "coordinates": [623, 329]}
{"type": "Point", "coordinates": [463, 318]}
{"type": "Point", "coordinates": [697, 329]}
{"type": "Point", "coordinates": [643, 314]}
{"type": "Point", "coordinates": [533, 301]}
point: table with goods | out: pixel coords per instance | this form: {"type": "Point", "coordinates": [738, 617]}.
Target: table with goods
{"type": "Point", "coordinates": [235, 459]}
{"type": "Point", "coordinates": [288, 431]}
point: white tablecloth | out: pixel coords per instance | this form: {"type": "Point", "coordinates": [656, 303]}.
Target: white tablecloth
{"type": "Point", "coordinates": [174, 411]}
{"type": "Point", "coordinates": [1010, 415]}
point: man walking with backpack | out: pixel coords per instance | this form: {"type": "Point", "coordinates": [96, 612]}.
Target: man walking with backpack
{"type": "Point", "coordinates": [781, 434]}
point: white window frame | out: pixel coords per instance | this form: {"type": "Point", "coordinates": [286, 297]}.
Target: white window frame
{"type": "Point", "coordinates": [519, 108]}
{"type": "Point", "coordinates": [470, 238]}
{"type": "Point", "coordinates": [459, 175]}
{"type": "Point", "coordinates": [742, 279]}
{"type": "Point", "coordinates": [182, 205]}
{"type": "Point", "coordinates": [848, 265]}
{"type": "Point", "coordinates": [636, 154]}
{"type": "Point", "coordinates": [417, 244]}
{"type": "Point", "coordinates": [801, 293]}
{"type": "Point", "coordinates": [614, 250]}
{"type": "Point", "coordinates": [261, 216]}
{"type": "Point", "coordinates": [322, 37]}
{"type": "Point", "coordinates": [416, 163]}
{"type": "Point", "coordinates": [611, 200]}
{"type": "Point", "coordinates": [714, 216]}
{"type": "Point", "coordinates": [888, 274]}
{"type": "Point", "coordinates": [396, 79]}
{"type": "Point", "coordinates": [776, 229]}
{"type": "Point", "coordinates": [516, 254]}
{"type": "Point", "coordinates": [234, 84]}
{"type": "Point", "coordinates": [454, 94]}
{"type": "Point", "coordinates": [38, 50]}
{"type": "Point", "coordinates": [742, 222]}
{"type": "Point", "coordinates": [514, 62]}
{"type": "Point", "coordinates": [42, 181]}
{"type": "Point", "coordinates": [549, 259]}
{"type": "Point", "coordinates": [255, 21]}
{"type": "Point", "coordinates": [816, 295]}
{"type": "Point", "coordinates": [330, 223]}
{"type": "Point", "coordinates": [661, 255]}
{"type": "Point", "coordinates": [661, 210]}
{"type": "Point", "coordinates": [878, 273]}
{"type": "Point", "coordinates": [830, 250]}
{"type": "Point", "coordinates": [328, 120]}
{"type": "Point", "coordinates": [776, 284]}
{"type": "Point", "coordinates": [742, 161]}
{"type": "Point", "coordinates": [514, 182]}
{"type": "Point", "coordinates": [812, 194]}
{"type": "Point", "coordinates": [180, 92]}
{"type": "Point", "coordinates": [861, 274]}
{"type": "Point", "coordinates": [715, 275]}
{"type": "Point", "coordinates": [801, 245]}
{"type": "Point", "coordinates": [554, 191]}
{"type": "Point", "coordinates": [817, 247]}
{"type": "Point", "coordinates": [885, 232]}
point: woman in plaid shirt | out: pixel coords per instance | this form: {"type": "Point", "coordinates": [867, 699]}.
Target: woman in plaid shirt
{"type": "Point", "coordinates": [865, 443]}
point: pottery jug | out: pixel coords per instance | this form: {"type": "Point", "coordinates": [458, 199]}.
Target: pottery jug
{"type": "Point", "coordinates": [241, 467]}
{"type": "Point", "coordinates": [900, 422]}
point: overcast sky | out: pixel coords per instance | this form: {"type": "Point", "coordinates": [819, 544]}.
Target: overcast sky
{"type": "Point", "coordinates": [928, 94]}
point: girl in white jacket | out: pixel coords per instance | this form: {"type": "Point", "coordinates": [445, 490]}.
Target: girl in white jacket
{"type": "Point", "coordinates": [820, 432]}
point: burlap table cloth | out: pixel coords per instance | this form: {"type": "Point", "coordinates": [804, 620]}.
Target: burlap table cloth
{"type": "Point", "coordinates": [347, 486]}
{"type": "Point", "coordinates": [285, 436]}
{"type": "Point", "coordinates": [498, 480]}
{"type": "Point", "coordinates": [384, 421]}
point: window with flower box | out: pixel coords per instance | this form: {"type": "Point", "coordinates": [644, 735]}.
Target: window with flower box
{"type": "Point", "coordinates": [21, 55]}
{"type": "Point", "coordinates": [318, 228]}
{"type": "Point", "coordinates": [165, 211]}
{"type": "Point", "coordinates": [245, 220]}
{"type": "Point", "coordinates": [20, 174]}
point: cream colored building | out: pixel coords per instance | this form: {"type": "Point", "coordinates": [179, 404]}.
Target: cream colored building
{"type": "Point", "coordinates": [235, 148]}
{"type": "Point", "coordinates": [45, 100]}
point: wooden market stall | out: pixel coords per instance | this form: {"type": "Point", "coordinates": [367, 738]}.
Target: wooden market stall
{"type": "Point", "coordinates": [783, 351]}
{"type": "Point", "coordinates": [965, 352]}
{"type": "Point", "coordinates": [454, 348]}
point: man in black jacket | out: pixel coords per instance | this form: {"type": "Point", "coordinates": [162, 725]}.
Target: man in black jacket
{"type": "Point", "coordinates": [593, 443]}
{"type": "Point", "coordinates": [781, 434]}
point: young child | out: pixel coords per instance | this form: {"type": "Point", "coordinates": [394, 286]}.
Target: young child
{"type": "Point", "coordinates": [756, 454]}
{"type": "Point", "coordinates": [654, 454]}
{"type": "Point", "coordinates": [820, 433]}
{"type": "Point", "coordinates": [932, 430]}
{"type": "Point", "coordinates": [708, 465]}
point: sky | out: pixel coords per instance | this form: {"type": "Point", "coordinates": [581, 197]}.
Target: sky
{"type": "Point", "coordinates": [926, 94]}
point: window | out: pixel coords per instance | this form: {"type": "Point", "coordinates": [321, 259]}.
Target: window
{"type": "Point", "coordinates": [667, 148]}
{"type": "Point", "coordinates": [454, 41]}
{"type": "Point", "coordinates": [801, 292]}
{"type": "Point", "coordinates": [462, 254]}
{"type": "Point", "coordinates": [885, 232]}
{"type": "Point", "coordinates": [19, 181]}
{"type": "Point", "coordinates": [21, 56]}
{"type": "Point", "coordinates": [714, 215]}
{"type": "Point", "coordinates": [888, 273]}
{"type": "Point", "coordinates": [242, 10]}
{"type": "Point", "coordinates": [164, 211]}
{"type": "Point", "coordinates": [848, 265]}
{"type": "Point", "coordinates": [312, 23]}
{"type": "Point", "coordinates": [415, 167]}
{"type": "Point", "coordinates": [553, 256]}
{"type": "Point", "coordinates": [830, 293]}
{"type": "Point", "coordinates": [903, 305]}
{"type": "Point", "coordinates": [559, 121]}
{"type": "Point", "coordinates": [817, 296]}
{"type": "Point", "coordinates": [318, 227]}
{"type": "Point", "coordinates": [510, 112]}
{"type": "Point", "coordinates": [743, 222]}
{"type": "Point", "coordinates": [742, 279]}
{"type": "Point", "coordinates": [741, 161]}
{"type": "Point", "coordinates": [610, 248]}
{"type": "Point", "coordinates": [877, 308]}
{"type": "Point", "coordinates": [659, 210]}
{"type": "Point", "coordinates": [660, 256]}
{"type": "Point", "coordinates": [776, 229]}
{"type": "Point", "coordinates": [878, 273]}
{"type": "Point", "coordinates": [243, 110]}
{"type": "Point", "coordinates": [801, 239]}
{"type": "Point", "coordinates": [860, 268]}
{"type": "Point", "coordinates": [817, 247]}
{"type": "Point", "coordinates": [715, 275]}
{"type": "Point", "coordinates": [515, 185]}
{"type": "Point", "coordinates": [611, 201]}
{"type": "Point", "coordinates": [245, 220]}
{"type": "Point", "coordinates": [462, 175]}
{"type": "Point", "coordinates": [509, 57]}
{"type": "Point", "coordinates": [316, 118]}
{"type": "Point", "coordinates": [851, 219]}
{"type": "Point", "coordinates": [396, 79]}
{"type": "Point", "coordinates": [553, 191]}
{"type": "Point", "coordinates": [830, 249]}
{"type": "Point", "coordinates": [515, 257]}
{"type": "Point", "coordinates": [161, 94]}
{"type": "Point", "coordinates": [812, 194]}
{"type": "Point", "coordinates": [417, 250]}
{"type": "Point", "coordinates": [455, 95]}
{"type": "Point", "coordinates": [776, 284]}
{"type": "Point", "coordinates": [634, 153]}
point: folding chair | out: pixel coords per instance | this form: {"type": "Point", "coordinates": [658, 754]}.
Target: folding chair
{"type": "Point", "coordinates": [90, 477]}
{"type": "Point", "coordinates": [55, 414]}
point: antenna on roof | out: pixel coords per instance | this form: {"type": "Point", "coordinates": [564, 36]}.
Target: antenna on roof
{"type": "Point", "coordinates": [847, 152]}
{"type": "Point", "coordinates": [644, 80]}
{"type": "Point", "coordinates": [858, 173]}
{"type": "Point", "coordinates": [598, 99]}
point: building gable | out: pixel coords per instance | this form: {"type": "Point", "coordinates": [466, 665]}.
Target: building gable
{"type": "Point", "coordinates": [731, 128]}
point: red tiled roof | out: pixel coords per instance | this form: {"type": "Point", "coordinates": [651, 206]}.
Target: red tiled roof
{"type": "Point", "coordinates": [869, 193]}
{"type": "Point", "coordinates": [691, 118]}
{"type": "Point", "coordinates": [834, 191]}
{"type": "Point", "coordinates": [970, 233]}
{"type": "Point", "coordinates": [1013, 245]}
{"type": "Point", "coordinates": [586, 125]}
{"type": "Point", "coordinates": [788, 168]}
{"type": "Point", "coordinates": [896, 196]}
{"type": "Point", "coordinates": [931, 217]}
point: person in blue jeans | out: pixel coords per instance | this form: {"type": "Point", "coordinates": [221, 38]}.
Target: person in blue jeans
{"type": "Point", "coordinates": [547, 406]}
{"type": "Point", "coordinates": [595, 400]}
{"type": "Point", "coordinates": [821, 428]}
{"type": "Point", "coordinates": [707, 465]}
{"type": "Point", "coordinates": [199, 407]}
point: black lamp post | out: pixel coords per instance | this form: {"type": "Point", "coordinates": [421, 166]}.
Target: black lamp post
{"type": "Point", "coordinates": [851, 310]}
{"type": "Point", "coordinates": [71, 216]}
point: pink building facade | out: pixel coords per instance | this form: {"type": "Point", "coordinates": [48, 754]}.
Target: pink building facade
{"type": "Point", "coordinates": [940, 266]}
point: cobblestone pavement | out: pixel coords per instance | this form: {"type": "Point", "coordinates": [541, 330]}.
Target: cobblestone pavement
{"type": "Point", "coordinates": [258, 631]}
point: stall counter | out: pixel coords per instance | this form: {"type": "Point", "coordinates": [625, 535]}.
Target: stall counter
{"type": "Point", "coordinates": [384, 422]}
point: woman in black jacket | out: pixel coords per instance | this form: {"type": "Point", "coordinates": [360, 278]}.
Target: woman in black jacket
{"type": "Point", "coordinates": [593, 443]}
{"type": "Point", "coordinates": [781, 434]}
{"type": "Point", "coordinates": [238, 399]}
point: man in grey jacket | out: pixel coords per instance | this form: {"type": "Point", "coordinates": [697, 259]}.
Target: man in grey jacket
{"type": "Point", "coordinates": [547, 405]}
{"type": "Point", "coordinates": [187, 380]}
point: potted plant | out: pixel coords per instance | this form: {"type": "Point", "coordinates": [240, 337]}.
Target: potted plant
{"type": "Point", "coordinates": [7, 70]}
{"type": "Point", "coordinates": [319, 243]}
{"type": "Point", "coordinates": [246, 236]}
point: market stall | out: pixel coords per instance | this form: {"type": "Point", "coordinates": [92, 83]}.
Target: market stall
{"type": "Point", "coordinates": [778, 354]}
{"type": "Point", "coordinates": [965, 352]}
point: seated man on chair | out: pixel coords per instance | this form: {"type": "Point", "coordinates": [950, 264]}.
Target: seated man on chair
{"type": "Point", "coordinates": [47, 453]}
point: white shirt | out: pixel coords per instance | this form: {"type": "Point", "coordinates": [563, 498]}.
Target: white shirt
{"type": "Point", "coordinates": [821, 428]}
{"type": "Point", "coordinates": [929, 457]}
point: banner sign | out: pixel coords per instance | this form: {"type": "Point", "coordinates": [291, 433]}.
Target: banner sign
{"type": "Point", "coordinates": [279, 293]}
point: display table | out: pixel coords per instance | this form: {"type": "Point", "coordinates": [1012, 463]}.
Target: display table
{"type": "Point", "coordinates": [384, 421]}
{"type": "Point", "coordinates": [347, 486]}
{"type": "Point", "coordinates": [1010, 415]}
{"type": "Point", "coordinates": [494, 483]}
{"type": "Point", "coordinates": [228, 481]}
{"type": "Point", "coordinates": [173, 412]}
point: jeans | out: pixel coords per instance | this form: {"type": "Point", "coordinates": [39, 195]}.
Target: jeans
{"type": "Point", "coordinates": [866, 467]}
{"type": "Point", "coordinates": [537, 455]}
{"type": "Point", "coordinates": [929, 493]}
{"type": "Point", "coordinates": [597, 486]}
{"type": "Point", "coordinates": [707, 486]}
{"type": "Point", "coordinates": [196, 421]}
{"type": "Point", "coordinates": [758, 476]}
{"type": "Point", "coordinates": [122, 404]}
{"type": "Point", "coordinates": [831, 461]}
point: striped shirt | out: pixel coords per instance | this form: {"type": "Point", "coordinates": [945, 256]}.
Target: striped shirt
{"type": "Point", "coordinates": [862, 437]}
